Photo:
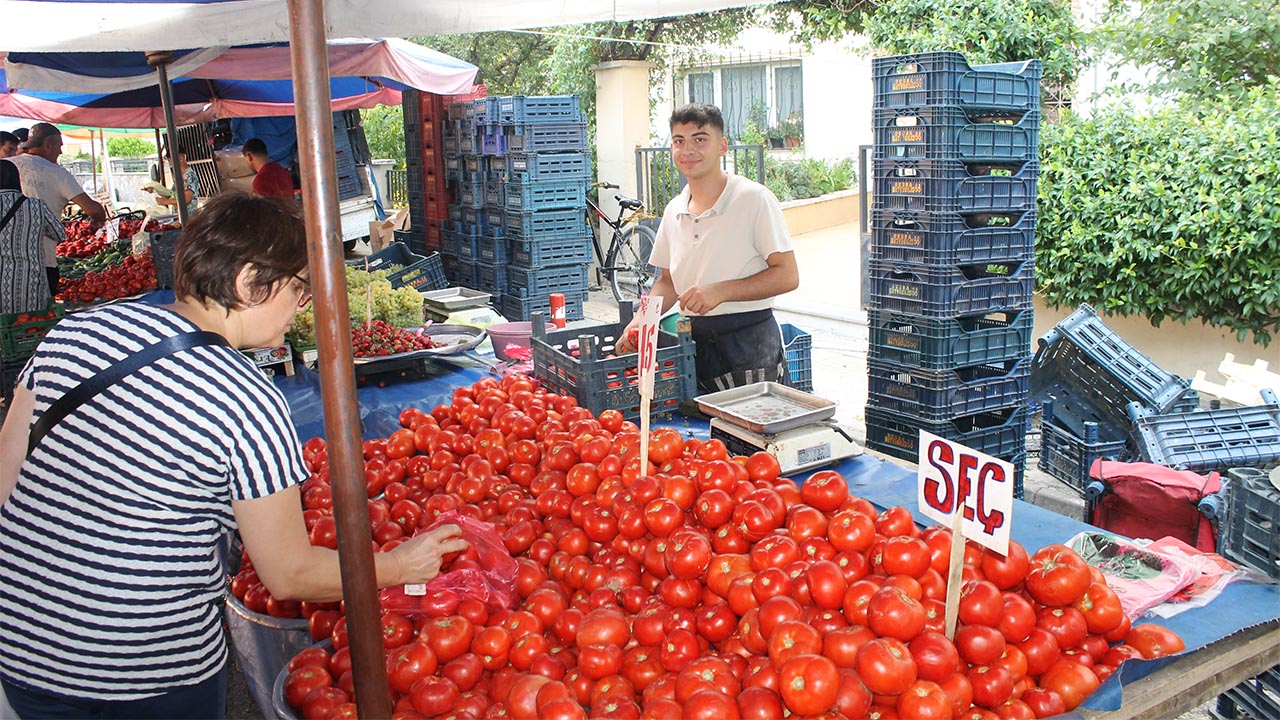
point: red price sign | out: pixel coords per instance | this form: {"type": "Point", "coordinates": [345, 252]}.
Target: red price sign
{"type": "Point", "coordinates": [647, 344]}
{"type": "Point", "coordinates": [953, 477]}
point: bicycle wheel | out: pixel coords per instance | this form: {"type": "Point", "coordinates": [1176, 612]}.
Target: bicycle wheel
{"type": "Point", "coordinates": [630, 274]}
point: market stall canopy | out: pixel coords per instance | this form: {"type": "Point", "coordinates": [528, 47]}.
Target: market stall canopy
{"type": "Point", "coordinates": [119, 89]}
{"type": "Point", "coordinates": [83, 25]}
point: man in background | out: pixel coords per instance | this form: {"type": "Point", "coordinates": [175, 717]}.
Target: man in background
{"type": "Point", "coordinates": [44, 179]}
{"type": "Point", "coordinates": [270, 179]}
{"type": "Point", "coordinates": [8, 144]}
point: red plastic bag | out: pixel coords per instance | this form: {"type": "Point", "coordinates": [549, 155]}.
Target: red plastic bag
{"type": "Point", "coordinates": [493, 582]}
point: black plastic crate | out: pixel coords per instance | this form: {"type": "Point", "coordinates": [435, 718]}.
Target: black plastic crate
{"type": "Point", "coordinates": [954, 186]}
{"type": "Point", "coordinates": [941, 394]}
{"type": "Point", "coordinates": [952, 238]}
{"type": "Point", "coordinates": [1208, 440]}
{"type": "Point", "coordinates": [526, 282]}
{"type": "Point", "coordinates": [475, 221]}
{"type": "Point", "coordinates": [548, 166]}
{"type": "Point", "coordinates": [395, 254]}
{"type": "Point", "coordinates": [546, 195]}
{"type": "Point", "coordinates": [459, 271]}
{"type": "Point", "coordinates": [532, 225]}
{"type": "Point", "coordinates": [951, 133]}
{"type": "Point", "coordinates": [1258, 697]}
{"type": "Point", "coordinates": [572, 362]}
{"type": "Point", "coordinates": [492, 249]}
{"type": "Point", "coordinates": [163, 246]}
{"type": "Point", "coordinates": [495, 221]}
{"type": "Point", "coordinates": [1068, 457]}
{"type": "Point", "coordinates": [951, 291]}
{"type": "Point", "coordinates": [1251, 533]}
{"type": "Point", "coordinates": [1002, 433]}
{"type": "Point", "coordinates": [426, 274]}
{"type": "Point", "coordinates": [522, 309]}
{"type": "Point", "coordinates": [798, 347]}
{"type": "Point", "coordinates": [951, 342]}
{"type": "Point", "coordinates": [486, 110]}
{"type": "Point", "coordinates": [470, 195]}
{"type": "Point", "coordinates": [9, 371]}
{"type": "Point", "coordinates": [467, 247]}
{"type": "Point", "coordinates": [526, 110]}
{"type": "Point", "coordinates": [491, 278]}
{"type": "Point", "coordinates": [567, 137]}
{"type": "Point", "coordinates": [947, 78]}
{"type": "Point", "coordinates": [495, 194]}
{"type": "Point", "coordinates": [565, 250]}
{"type": "Point", "coordinates": [1092, 374]}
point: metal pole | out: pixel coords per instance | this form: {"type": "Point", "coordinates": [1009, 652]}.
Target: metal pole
{"type": "Point", "coordinates": [159, 148]}
{"type": "Point", "coordinates": [333, 336]}
{"type": "Point", "coordinates": [160, 61]}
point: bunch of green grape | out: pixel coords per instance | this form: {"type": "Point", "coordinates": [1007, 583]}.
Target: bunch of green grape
{"type": "Point", "coordinates": [369, 295]}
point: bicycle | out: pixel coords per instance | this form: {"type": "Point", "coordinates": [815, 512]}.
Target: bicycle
{"type": "Point", "coordinates": [626, 263]}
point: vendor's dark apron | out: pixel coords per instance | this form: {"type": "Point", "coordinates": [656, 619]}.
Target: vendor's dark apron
{"type": "Point", "coordinates": [738, 349]}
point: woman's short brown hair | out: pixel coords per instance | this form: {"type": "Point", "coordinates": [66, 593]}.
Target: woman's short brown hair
{"type": "Point", "coordinates": [229, 232]}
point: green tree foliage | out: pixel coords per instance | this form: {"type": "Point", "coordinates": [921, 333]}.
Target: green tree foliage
{"type": "Point", "coordinates": [1166, 214]}
{"type": "Point", "coordinates": [127, 147]}
{"type": "Point", "coordinates": [811, 21]}
{"type": "Point", "coordinates": [986, 31]}
{"type": "Point", "coordinates": [384, 131]}
{"type": "Point", "coordinates": [1198, 48]}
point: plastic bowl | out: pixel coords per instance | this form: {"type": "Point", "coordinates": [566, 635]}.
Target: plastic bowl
{"type": "Point", "coordinates": [507, 335]}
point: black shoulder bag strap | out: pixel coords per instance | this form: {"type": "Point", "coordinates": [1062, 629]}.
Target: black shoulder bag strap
{"type": "Point", "coordinates": [86, 390]}
{"type": "Point", "coordinates": [12, 209]}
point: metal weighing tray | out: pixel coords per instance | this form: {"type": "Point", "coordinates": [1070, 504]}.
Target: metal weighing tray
{"type": "Point", "coordinates": [766, 408]}
{"type": "Point", "coordinates": [455, 298]}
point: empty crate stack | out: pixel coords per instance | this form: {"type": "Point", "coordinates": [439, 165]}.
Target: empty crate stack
{"type": "Point", "coordinates": [424, 121]}
{"type": "Point", "coordinates": [952, 261]}
{"type": "Point", "coordinates": [519, 230]}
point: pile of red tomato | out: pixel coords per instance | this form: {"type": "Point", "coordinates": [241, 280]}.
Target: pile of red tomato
{"type": "Point", "coordinates": [703, 587]}
{"type": "Point", "coordinates": [134, 275]}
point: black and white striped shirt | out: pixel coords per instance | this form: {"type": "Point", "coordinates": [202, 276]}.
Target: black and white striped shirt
{"type": "Point", "coordinates": [109, 583]}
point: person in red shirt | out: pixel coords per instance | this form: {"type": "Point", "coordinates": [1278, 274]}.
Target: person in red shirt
{"type": "Point", "coordinates": [271, 180]}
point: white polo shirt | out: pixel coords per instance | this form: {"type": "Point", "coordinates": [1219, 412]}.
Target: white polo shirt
{"type": "Point", "coordinates": [729, 241]}
{"type": "Point", "coordinates": [49, 182]}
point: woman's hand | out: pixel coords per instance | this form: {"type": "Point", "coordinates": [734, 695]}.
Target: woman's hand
{"type": "Point", "coordinates": [418, 559]}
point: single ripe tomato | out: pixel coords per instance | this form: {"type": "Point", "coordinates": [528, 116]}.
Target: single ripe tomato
{"type": "Point", "coordinates": [1154, 641]}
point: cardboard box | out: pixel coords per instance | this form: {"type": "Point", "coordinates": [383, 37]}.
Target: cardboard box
{"type": "Point", "coordinates": [382, 233]}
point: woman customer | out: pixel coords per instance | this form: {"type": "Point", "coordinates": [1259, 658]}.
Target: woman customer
{"type": "Point", "coordinates": [110, 589]}
{"type": "Point", "coordinates": [24, 224]}
{"type": "Point", "coordinates": [190, 185]}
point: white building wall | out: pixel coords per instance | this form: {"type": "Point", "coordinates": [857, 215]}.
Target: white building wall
{"type": "Point", "coordinates": [837, 102]}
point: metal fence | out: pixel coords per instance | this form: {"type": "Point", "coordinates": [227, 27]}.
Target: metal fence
{"type": "Point", "coordinates": [658, 179]}
{"type": "Point", "coordinates": [397, 187]}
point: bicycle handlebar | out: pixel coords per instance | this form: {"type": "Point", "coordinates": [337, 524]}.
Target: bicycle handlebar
{"type": "Point", "coordinates": [608, 186]}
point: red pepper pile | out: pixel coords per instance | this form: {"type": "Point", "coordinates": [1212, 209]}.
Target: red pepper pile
{"type": "Point", "coordinates": [136, 274]}
{"type": "Point", "coordinates": [704, 587]}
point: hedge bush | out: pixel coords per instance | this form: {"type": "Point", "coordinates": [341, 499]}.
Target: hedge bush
{"type": "Point", "coordinates": [1171, 213]}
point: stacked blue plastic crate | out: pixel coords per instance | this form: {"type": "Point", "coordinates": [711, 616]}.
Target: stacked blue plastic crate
{"type": "Point", "coordinates": [952, 262]}
{"type": "Point", "coordinates": [519, 166]}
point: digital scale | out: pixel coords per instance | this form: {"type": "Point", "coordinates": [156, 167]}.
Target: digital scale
{"type": "Point", "coordinates": [793, 426]}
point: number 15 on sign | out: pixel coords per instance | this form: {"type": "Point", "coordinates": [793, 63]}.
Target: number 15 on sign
{"type": "Point", "coordinates": [954, 477]}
